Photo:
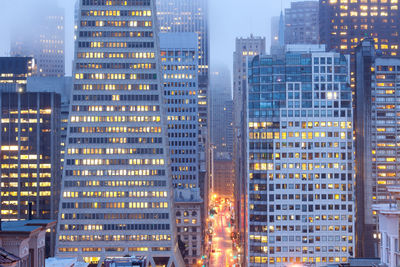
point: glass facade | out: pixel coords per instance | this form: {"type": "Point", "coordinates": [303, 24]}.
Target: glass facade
{"type": "Point", "coordinates": [300, 162]}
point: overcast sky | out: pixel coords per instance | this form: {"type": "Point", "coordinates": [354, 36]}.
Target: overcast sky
{"type": "Point", "coordinates": [228, 19]}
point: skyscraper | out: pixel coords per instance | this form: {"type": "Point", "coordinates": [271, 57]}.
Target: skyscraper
{"type": "Point", "coordinates": [179, 64]}
{"type": "Point", "coordinates": [59, 85]}
{"type": "Point", "coordinates": [301, 23]}
{"type": "Point", "coordinates": [277, 35]}
{"type": "Point", "coordinates": [117, 189]}
{"type": "Point", "coordinates": [221, 111]}
{"type": "Point", "coordinates": [343, 24]}
{"type": "Point", "coordinates": [376, 127]}
{"type": "Point", "coordinates": [300, 163]}
{"type": "Point", "coordinates": [14, 73]}
{"type": "Point", "coordinates": [45, 43]}
{"type": "Point", "coordinates": [192, 16]}
{"type": "Point", "coordinates": [30, 155]}
{"type": "Point", "coordinates": [246, 48]}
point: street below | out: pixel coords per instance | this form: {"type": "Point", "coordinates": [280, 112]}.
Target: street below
{"type": "Point", "coordinates": [221, 248]}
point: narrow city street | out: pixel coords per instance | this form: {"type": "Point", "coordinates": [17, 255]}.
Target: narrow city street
{"type": "Point", "coordinates": [221, 249]}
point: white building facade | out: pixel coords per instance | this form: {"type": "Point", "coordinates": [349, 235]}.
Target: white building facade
{"type": "Point", "coordinates": [117, 191]}
{"type": "Point", "coordinates": [300, 162]}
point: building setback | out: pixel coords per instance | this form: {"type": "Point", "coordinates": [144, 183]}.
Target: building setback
{"type": "Point", "coordinates": [300, 163]}
{"type": "Point", "coordinates": [117, 189]}
{"type": "Point", "coordinates": [301, 23]}
{"type": "Point", "coordinates": [180, 75]}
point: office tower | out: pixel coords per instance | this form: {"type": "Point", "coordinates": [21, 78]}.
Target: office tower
{"type": "Point", "coordinates": [14, 72]}
{"type": "Point", "coordinates": [43, 39]}
{"type": "Point", "coordinates": [224, 178]}
{"type": "Point", "coordinates": [221, 113]}
{"type": "Point", "coordinates": [300, 163]}
{"type": "Point", "coordinates": [376, 127]}
{"type": "Point", "coordinates": [245, 48]}
{"type": "Point", "coordinates": [179, 64]}
{"type": "Point", "coordinates": [366, 244]}
{"type": "Point", "coordinates": [192, 16]}
{"type": "Point", "coordinates": [277, 35]}
{"type": "Point", "coordinates": [301, 23]}
{"type": "Point", "coordinates": [59, 85]}
{"type": "Point", "coordinates": [343, 24]}
{"type": "Point", "coordinates": [30, 159]}
{"type": "Point", "coordinates": [228, 133]}
{"type": "Point", "coordinates": [116, 195]}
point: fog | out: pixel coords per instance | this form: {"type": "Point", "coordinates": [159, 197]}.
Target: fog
{"type": "Point", "coordinates": [228, 19]}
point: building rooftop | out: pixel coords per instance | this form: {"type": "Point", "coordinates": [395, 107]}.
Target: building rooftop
{"type": "Point", "coordinates": [305, 48]}
{"type": "Point", "coordinates": [27, 226]}
{"type": "Point", "coordinates": [7, 258]}
{"type": "Point", "coordinates": [65, 262]}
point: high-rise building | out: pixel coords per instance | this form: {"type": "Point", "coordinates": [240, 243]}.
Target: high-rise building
{"type": "Point", "coordinates": [179, 64]}
{"type": "Point", "coordinates": [224, 178]}
{"type": "Point", "coordinates": [221, 113]}
{"type": "Point", "coordinates": [343, 24]}
{"type": "Point", "coordinates": [366, 227]}
{"type": "Point", "coordinates": [30, 155]}
{"type": "Point", "coordinates": [116, 194]}
{"type": "Point", "coordinates": [14, 72]}
{"type": "Point", "coordinates": [376, 152]}
{"type": "Point", "coordinates": [301, 23]}
{"type": "Point", "coordinates": [277, 35]}
{"type": "Point", "coordinates": [44, 41]}
{"type": "Point", "coordinates": [180, 77]}
{"type": "Point", "coordinates": [300, 163]}
{"type": "Point", "coordinates": [59, 85]}
{"type": "Point", "coordinates": [245, 48]}
{"type": "Point", "coordinates": [192, 16]}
